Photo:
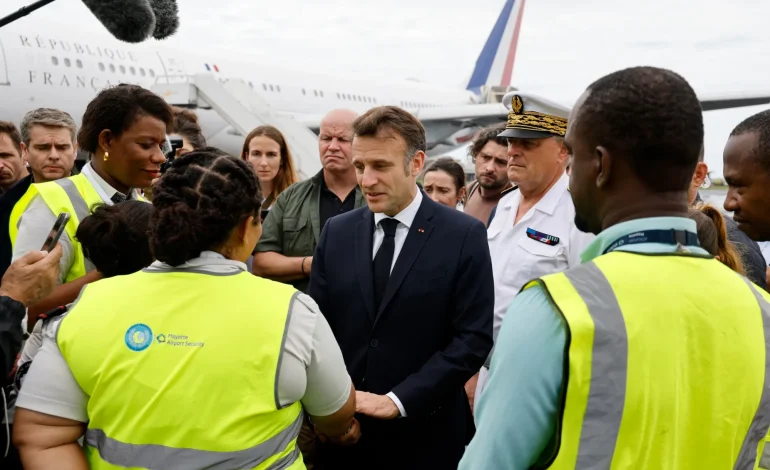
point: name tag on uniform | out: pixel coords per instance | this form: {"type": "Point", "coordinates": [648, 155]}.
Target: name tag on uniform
{"type": "Point", "coordinates": [542, 237]}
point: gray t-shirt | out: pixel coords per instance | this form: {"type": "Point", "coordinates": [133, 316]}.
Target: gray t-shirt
{"type": "Point", "coordinates": [311, 368]}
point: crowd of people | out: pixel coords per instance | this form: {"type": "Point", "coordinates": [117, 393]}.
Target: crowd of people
{"type": "Point", "coordinates": [577, 305]}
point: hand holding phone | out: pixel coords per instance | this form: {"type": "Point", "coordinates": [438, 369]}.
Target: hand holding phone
{"type": "Point", "coordinates": [56, 231]}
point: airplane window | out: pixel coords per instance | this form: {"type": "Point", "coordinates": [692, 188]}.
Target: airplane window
{"type": "Point", "coordinates": [67, 62]}
{"type": "Point", "coordinates": [315, 92]}
{"type": "Point", "coordinates": [152, 73]}
{"type": "Point", "coordinates": [141, 72]}
{"type": "Point", "coordinates": [278, 88]}
{"type": "Point", "coordinates": [271, 88]}
{"type": "Point", "coordinates": [322, 93]}
{"type": "Point", "coordinates": [303, 92]}
{"type": "Point", "coordinates": [55, 60]}
{"type": "Point", "coordinates": [251, 85]}
{"type": "Point", "coordinates": [264, 87]}
{"type": "Point", "coordinates": [101, 66]}
{"type": "Point", "coordinates": [79, 63]}
{"type": "Point", "coordinates": [133, 71]}
{"type": "Point", "coordinates": [112, 68]}
{"type": "Point", "coordinates": [123, 69]}
{"type": "Point", "coordinates": [338, 96]}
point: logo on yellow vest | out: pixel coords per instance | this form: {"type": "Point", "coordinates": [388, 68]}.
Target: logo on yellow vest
{"type": "Point", "coordinates": [138, 337]}
{"type": "Point", "coordinates": [178, 340]}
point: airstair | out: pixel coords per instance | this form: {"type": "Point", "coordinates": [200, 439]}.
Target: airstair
{"type": "Point", "coordinates": [495, 94]}
{"type": "Point", "coordinates": [244, 110]}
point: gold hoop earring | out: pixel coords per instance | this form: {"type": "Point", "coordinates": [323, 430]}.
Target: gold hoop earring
{"type": "Point", "coordinates": [106, 156]}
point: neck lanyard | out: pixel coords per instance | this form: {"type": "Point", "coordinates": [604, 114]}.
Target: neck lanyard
{"type": "Point", "coordinates": [665, 237]}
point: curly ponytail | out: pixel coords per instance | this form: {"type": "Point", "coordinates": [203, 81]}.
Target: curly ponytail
{"type": "Point", "coordinates": [712, 233]}
{"type": "Point", "coordinates": [202, 197]}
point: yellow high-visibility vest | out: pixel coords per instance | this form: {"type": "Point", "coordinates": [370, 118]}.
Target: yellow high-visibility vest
{"type": "Point", "coordinates": [668, 364]}
{"type": "Point", "coordinates": [181, 370]}
{"type": "Point", "coordinates": [74, 195]}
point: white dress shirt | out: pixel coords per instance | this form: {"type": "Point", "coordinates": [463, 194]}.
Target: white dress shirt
{"type": "Point", "coordinates": [405, 219]}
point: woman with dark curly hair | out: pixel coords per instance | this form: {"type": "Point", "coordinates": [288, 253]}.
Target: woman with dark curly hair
{"type": "Point", "coordinates": [123, 129]}
{"type": "Point", "coordinates": [192, 362]}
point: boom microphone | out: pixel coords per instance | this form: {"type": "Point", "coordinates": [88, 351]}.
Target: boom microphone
{"type": "Point", "coordinates": [136, 20]}
{"type": "Point", "coordinates": [166, 18]}
{"type": "Point", "coordinates": [127, 20]}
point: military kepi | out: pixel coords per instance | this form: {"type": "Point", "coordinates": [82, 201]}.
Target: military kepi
{"type": "Point", "coordinates": [533, 117]}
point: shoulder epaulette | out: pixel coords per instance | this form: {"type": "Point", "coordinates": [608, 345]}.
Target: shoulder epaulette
{"type": "Point", "coordinates": [57, 312]}
{"type": "Point", "coordinates": [509, 190]}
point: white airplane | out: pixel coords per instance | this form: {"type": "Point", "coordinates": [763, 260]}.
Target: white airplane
{"type": "Point", "coordinates": [49, 64]}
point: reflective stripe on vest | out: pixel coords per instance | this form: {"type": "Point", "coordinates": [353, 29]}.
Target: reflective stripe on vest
{"type": "Point", "coordinates": [165, 458]}
{"type": "Point", "coordinates": [628, 349]}
{"type": "Point", "coordinates": [74, 195]}
{"type": "Point", "coordinates": [604, 411]}
{"type": "Point", "coordinates": [171, 383]}
{"type": "Point", "coordinates": [18, 209]}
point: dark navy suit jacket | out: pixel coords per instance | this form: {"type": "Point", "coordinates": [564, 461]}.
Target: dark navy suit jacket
{"type": "Point", "coordinates": [431, 334]}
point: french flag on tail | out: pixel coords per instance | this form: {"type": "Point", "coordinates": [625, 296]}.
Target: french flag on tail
{"type": "Point", "coordinates": [494, 67]}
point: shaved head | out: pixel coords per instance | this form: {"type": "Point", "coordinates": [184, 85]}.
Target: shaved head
{"type": "Point", "coordinates": [334, 141]}
{"type": "Point", "coordinates": [343, 117]}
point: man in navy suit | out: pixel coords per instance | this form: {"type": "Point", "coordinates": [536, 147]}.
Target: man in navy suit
{"type": "Point", "coordinates": [406, 285]}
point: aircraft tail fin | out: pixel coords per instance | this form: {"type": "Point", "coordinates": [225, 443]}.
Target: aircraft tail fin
{"type": "Point", "coordinates": [494, 66]}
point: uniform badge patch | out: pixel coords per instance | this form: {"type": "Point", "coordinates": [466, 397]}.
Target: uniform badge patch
{"type": "Point", "coordinates": [542, 237]}
{"type": "Point", "coordinates": [517, 104]}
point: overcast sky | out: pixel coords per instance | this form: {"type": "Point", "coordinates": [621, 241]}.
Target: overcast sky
{"type": "Point", "coordinates": [718, 45]}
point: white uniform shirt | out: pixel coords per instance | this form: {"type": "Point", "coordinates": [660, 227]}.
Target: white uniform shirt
{"type": "Point", "coordinates": [517, 258]}
{"type": "Point", "coordinates": [36, 222]}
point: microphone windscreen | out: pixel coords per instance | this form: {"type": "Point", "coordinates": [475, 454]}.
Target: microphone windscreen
{"type": "Point", "coordinates": [166, 18]}
{"type": "Point", "coordinates": [127, 20]}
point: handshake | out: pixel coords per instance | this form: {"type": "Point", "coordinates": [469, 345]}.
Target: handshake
{"type": "Point", "coordinates": [368, 404]}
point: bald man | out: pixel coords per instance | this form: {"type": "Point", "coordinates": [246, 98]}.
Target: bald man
{"type": "Point", "coordinates": [291, 229]}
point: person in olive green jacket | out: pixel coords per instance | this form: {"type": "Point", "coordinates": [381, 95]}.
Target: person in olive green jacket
{"type": "Point", "coordinates": [290, 231]}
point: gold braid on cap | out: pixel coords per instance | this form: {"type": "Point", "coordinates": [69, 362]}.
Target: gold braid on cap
{"type": "Point", "coordinates": [534, 121]}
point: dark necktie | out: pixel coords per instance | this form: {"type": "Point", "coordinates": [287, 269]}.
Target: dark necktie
{"type": "Point", "coordinates": [384, 259]}
{"type": "Point", "coordinates": [117, 198]}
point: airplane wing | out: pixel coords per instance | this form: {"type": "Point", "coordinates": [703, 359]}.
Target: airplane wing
{"type": "Point", "coordinates": [454, 125]}
{"type": "Point", "coordinates": [712, 102]}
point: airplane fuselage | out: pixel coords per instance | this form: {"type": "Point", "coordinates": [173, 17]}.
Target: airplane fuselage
{"type": "Point", "coordinates": [55, 67]}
